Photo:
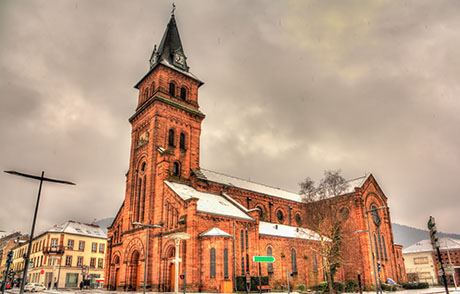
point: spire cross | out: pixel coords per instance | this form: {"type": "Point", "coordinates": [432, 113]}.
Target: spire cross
{"type": "Point", "coordinates": [173, 9]}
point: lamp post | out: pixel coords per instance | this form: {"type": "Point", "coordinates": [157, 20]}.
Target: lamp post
{"type": "Point", "coordinates": [177, 237]}
{"type": "Point", "coordinates": [377, 285]}
{"type": "Point", "coordinates": [147, 227]}
{"type": "Point", "coordinates": [41, 179]}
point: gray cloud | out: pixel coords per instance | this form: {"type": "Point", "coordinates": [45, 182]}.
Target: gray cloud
{"type": "Point", "coordinates": [291, 89]}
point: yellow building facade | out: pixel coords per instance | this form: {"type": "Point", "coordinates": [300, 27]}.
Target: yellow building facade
{"type": "Point", "coordinates": [64, 256]}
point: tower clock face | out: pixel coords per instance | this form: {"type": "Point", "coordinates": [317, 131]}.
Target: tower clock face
{"type": "Point", "coordinates": [179, 59]}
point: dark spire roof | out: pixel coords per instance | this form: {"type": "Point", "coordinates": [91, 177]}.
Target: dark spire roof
{"type": "Point", "coordinates": [170, 49]}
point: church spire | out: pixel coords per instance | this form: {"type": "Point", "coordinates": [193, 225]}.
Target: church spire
{"type": "Point", "coordinates": [170, 49]}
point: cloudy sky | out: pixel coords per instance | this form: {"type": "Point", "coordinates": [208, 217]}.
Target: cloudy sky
{"type": "Point", "coordinates": [292, 88]}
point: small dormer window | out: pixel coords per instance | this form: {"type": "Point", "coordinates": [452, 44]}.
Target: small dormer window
{"type": "Point", "coordinates": [183, 93]}
{"type": "Point", "coordinates": [171, 138]}
{"type": "Point", "coordinates": [182, 141]}
{"type": "Point", "coordinates": [176, 169]}
{"type": "Point", "coordinates": [172, 89]}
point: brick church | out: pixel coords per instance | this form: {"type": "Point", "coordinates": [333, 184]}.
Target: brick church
{"type": "Point", "coordinates": [229, 220]}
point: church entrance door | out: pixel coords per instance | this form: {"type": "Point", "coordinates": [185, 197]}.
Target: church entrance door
{"type": "Point", "coordinates": [133, 281]}
{"type": "Point", "coordinates": [172, 276]}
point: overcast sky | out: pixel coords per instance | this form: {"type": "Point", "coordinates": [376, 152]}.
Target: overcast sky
{"type": "Point", "coordinates": [292, 88]}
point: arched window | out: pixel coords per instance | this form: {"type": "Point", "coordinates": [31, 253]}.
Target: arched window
{"type": "Point", "coordinates": [242, 266]}
{"type": "Point", "coordinates": [247, 240]}
{"type": "Point", "coordinates": [172, 89]}
{"type": "Point", "coordinates": [213, 263]}
{"type": "Point", "coordinates": [294, 261]}
{"type": "Point", "coordinates": [176, 169]}
{"type": "Point", "coordinates": [182, 141]}
{"type": "Point", "coordinates": [384, 248]}
{"type": "Point", "coordinates": [225, 263]}
{"type": "Point", "coordinates": [247, 263]}
{"type": "Point", "coordinates": [280, 215]}
{"type": "Point", "coordinates": [183, 93]}
{"type": "Point", "coordinates": [298, 219]}
{"type": "Point", "coordinates": [315, 262]}
{"type": "Point", "coordinates": [269, 265]}
{"type": "Point", "coordinates": [171, 138]}
{"type": "Point", "coordinates": [242, 240]}
{"type": "Point", "coordinates": [380, 245]}
{"type": "Point", "coordinates": [152, 88]}
{"type": "Point", "coordinates": [376, 248]}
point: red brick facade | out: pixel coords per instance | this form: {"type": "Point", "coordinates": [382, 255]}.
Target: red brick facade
{"type": "Point", "coordinates": [165, 146]}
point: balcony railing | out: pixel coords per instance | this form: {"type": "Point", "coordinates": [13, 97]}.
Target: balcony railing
{"type": "Point", "coordinates": [53, 250]}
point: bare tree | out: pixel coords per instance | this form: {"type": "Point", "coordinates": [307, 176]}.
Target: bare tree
{"type": "Point", "coordinates": [325, 219]}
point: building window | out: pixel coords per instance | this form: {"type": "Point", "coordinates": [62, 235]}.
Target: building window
{"type": "Point", "coordinates": [213, 263]}
{"type": "Point", "coordinates": [79, 260]}
{"type": "Point", "coordinates": [183, 93]}
{"type": "Point", "coordinates": [101, 248]}
{"type": "Point", "coordinates": [242, 242]}
{"type": "Point", "coordinates": [172, 89]}
{"type": "Point", "coordinates": [420, 260]}
{"type": "Point", "coordinates": [270, 264]}
{"type": "Point", "coordinates": [376, 248]}
{"type": "Point", "coordinates": [315, 262]}
{"type": "Point", "coordinates": [100, 262]}
{"type": "Point", "coordinates": [280, 215]}
{"type": "Point", "coordinates": [242, 266]}
{"type": "Point", "coordinates": [152, 88]}
{"type": "Point", "coordinates": [380, 245]}
{"type": "Point", "coordinates": [70, 244]}
{"type": "Point", "coordinates": [81, 245]}
{"type": "Point", "coordinates": [171, 138]}
{"type": "Point", "coordinates": [94, 247]}
{"type": "Point", "coordinates": [68, 260]}
{"type": "Point", "coordinates": [92, 262]}
{"type": "Point", "coordinates": [182, 141]}
{"type": "Point", "coordinates": [294, 261]}
{"type": "Point", "coordinates": [225, 263]}
{"type": "Point", "coordinates": [176, 169]}
{"type": "Point", "coordinates": [298, 219]}
{"type": "Point", "coordinates": [247, 240]}
{"type": "Point", "coordinates": [54, 243]}
{"type": "Point", "coordinates": [247, 262]}
{"type": "Point", "coordinates": [384, 248]}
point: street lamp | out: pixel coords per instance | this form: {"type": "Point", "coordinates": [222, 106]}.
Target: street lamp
{"type": "Point", "coordinates": [177, 237]}
{"type": "Point", "coordinates": [377, 286]}
{"type": "Point", "coordinates": [147, 226]}
{"type": "Point", "coordinates": [41, 179]}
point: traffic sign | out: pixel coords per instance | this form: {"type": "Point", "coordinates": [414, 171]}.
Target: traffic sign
{"type": "Point", "coordinates": [263, 259]}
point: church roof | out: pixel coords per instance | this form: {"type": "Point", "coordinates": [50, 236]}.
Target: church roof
{"type": "Point", "coordinates": [227, 180]}
{"type": "Point", "coordinates": [208, 202]}
{"type": "Point", "coordinates": [284, 231]}
{"type": "Point", "coordinates": [215, 232]}
{"type": "Point", "coordinates": [425, 245]}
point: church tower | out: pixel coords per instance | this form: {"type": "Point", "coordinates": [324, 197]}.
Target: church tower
{"type": "Point", "coordinates": [166, 127]}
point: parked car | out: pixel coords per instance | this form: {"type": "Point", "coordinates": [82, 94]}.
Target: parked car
{"type": "Point", "coordinates": [33, 287]}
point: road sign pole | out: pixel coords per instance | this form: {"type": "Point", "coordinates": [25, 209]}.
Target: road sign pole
{"type": "Point", "coordinates": [287, 278]}
{"type": "Point", "coordinates": [260, 282]}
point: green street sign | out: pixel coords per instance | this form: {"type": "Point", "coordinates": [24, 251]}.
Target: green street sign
{"type": "Point", "coordinates": [263, 259]}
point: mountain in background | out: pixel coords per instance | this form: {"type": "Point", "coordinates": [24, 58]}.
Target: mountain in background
{"type": "Point", "coordinates": [403, 235]}
{"type": "Point", "coordinates": [406, 236]}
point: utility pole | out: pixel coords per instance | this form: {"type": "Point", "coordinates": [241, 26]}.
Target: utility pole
{"type": "Point", "coordinates": [41, 179]}
{"type": "Point", "coordinates": [435, 242]}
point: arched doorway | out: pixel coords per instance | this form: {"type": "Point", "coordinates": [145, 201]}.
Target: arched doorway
{"type": "Point", "coordinates": [116, 280]}
{"type": "Point", "coordinates": [168, 270]}
{"type": "Point", "coordinates": [133, 271]}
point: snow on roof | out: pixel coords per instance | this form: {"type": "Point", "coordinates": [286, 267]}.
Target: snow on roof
{"type": "Point", "coordinates": [215, 232]}
{"type": "Point", "coordinates": [425, 245]}
{"type": "Point", "coordinates": [77, 228]}
{"type": "Point", "coordinates": [284, 231]}
{"type": "Point", "coordinates": [208, 202]}
{"type": "Point", "coordinates": [264, 189]}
